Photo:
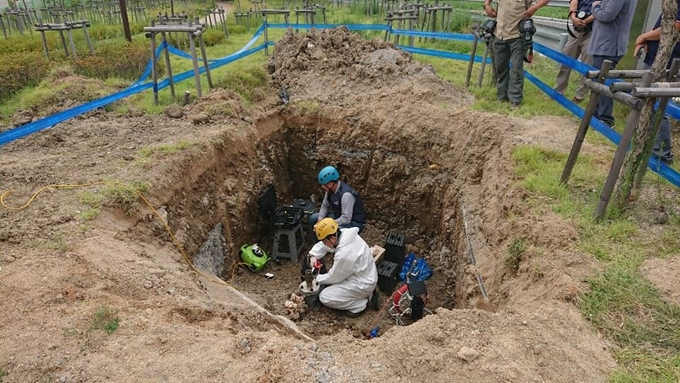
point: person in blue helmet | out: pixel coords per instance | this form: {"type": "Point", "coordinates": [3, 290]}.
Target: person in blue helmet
{"type": "Point", "coordinates": [340, 202]}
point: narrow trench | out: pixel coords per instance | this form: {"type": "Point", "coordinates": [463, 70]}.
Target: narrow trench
{"type": "Point", "coordinates": [287, 152]}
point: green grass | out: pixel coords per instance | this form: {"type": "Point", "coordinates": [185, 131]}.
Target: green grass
{"type": "Point", "coordinates": [123, 196]}
{"type": "Point", "coordinates": [105, 319]}
{"type": "Point", "coordinates": [516, 252]}
{"type": "Point", "coordinates": [165, 149]}
{"type": "Point", "coordinates": [56, 242]}
{"type": "Point", "coordinates": [2, 374]}
{"type": "Point", "coordinates": [547, 11]}
{"type": "Point", "coordinates": [621, 303]}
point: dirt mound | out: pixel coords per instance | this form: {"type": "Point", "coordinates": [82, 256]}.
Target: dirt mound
{"type": "Point", "coordinates": [334, 65]}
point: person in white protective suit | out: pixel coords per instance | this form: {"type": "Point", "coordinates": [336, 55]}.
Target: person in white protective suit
{"type": "Point", "coordinates": [350, 283]}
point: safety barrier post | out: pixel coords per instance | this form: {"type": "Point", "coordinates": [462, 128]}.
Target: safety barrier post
{"type": "Point", "coordinates": [265, 36]}
{"type": "Point", "coordinates": [621, 150]}
{"type": "Point", "coordinates": [201, 44]}
{"type": "Point", "coordinates": [166, 54]}
{"type": "Point", "coordinates": [473, 53]}
{"type": "Point", "coordinates": [42, 37]}
{"type": "Point", "coordinates": [2, 26]}
{"type": "Point", "coordinates": [585, 122]}
{"type": "Point", "coordinates": [483, 68]}
{"type": "Point", "coordinates": [194, 60]}
{"type": "Point", "coordinates": [154, 69]}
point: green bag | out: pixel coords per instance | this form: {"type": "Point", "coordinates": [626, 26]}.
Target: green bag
{"type": "Point", "coordinates": [254, 257]}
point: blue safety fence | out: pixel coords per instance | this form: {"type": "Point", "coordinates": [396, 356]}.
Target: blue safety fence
{"type": "Point", "coordinates": [672, 110]}
{"type": "Point", "coordinates": [137, 87]}
{"type": "Point", "coordinates": [667, 172]}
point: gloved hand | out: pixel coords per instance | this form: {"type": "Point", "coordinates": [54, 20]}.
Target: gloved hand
{"type": "Point", "coordinates": [315, 265]}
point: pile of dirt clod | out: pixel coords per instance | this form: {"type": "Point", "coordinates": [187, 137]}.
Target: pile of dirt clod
{"type": "Point", "coordinates": [334, 64]}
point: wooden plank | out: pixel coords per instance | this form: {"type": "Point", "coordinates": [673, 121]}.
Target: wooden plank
{"type": "Point", "coordinates": [377, 252]}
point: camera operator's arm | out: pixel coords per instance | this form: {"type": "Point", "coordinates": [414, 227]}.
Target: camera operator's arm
{"type": "Point", "coordinates": [489, 9]}
{"type": "Point", "coordinates": [530, 12]}
{"type": "Point", "coordinates": [573, 10]}
{"type": "Point", "coordinates": [653, 35]}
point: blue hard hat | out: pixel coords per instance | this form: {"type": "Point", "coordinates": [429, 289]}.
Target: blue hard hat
{"type": "Point", "coordinates": [328, 174]}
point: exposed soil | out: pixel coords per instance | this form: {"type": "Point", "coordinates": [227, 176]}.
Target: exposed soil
{"type": "Point", "coordinates": [426, 165]}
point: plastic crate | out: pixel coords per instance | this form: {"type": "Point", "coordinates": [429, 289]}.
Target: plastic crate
{"type": "Point", "coordinates": [387, 276]}
{"type": "Point", "coordinates": [288, 217]}
{"type": "Point", "coordinates": [394, 248]}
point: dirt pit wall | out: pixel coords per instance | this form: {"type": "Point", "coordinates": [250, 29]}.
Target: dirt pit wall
{"type": "Point", "coordinates": [410, 182]}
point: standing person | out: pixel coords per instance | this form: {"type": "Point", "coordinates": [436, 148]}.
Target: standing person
{"type": "Point", "coordinates": [609, 41]}
{"type": "Point", "coordinates": [340, 201]}
{"type": "Point", "coordinates": [576, 46]}
{"type": "Point", "coordinates": [509, 47]}
{"type": "Point", "coordinates": [350, 283]}
{"type": "Point", "coordinates": [649, 41]}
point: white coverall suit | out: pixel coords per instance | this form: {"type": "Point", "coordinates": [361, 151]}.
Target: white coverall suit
{"type": "Point", "coordinates": [353, 277]}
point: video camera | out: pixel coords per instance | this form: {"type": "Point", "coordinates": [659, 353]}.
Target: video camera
{"type": "Point", "coordinates": [527, 30]}
{"type": "Point", "coordinates": [487, 29]}
{"type": "Point", "coordinates": [582, 15]}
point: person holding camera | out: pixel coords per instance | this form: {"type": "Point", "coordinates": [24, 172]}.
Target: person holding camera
{"type": "Point", "coordinates": [577, 43]}
{"type": "Point", "coordinates": [648, 43]}
{"type": "Point", "coordinates": [509, 46]}
{"type": "Point", "coordinates": [609, 41]}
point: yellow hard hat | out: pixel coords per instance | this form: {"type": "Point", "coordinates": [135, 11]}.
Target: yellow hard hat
{"type": "Point", "coordinates": [326, 227]}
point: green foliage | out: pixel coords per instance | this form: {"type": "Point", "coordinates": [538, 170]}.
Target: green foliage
{"type": "Point", "coordinates": [237, 29]}
{"type": "Point", "coordinates": [93, 202]}
{"type": "Point", "coordinates": [2, 374]}
{"type": "Point", "coordinates": [20, 70]}
{"type": "Point", "coordinates": [123, 195]}
{"type": "Point", "coordinates": [212, 37]}
{"type": "Point", "coordinates": [114, 59]}
{"type": "Point", "coordinates": [166, 148]}
{"type": "Point", "coordinates": [247, 82]}
{"type": "Point", "coordinates": [102, 32]}
{"type": "Point", "coordinates": [627, 307]}
{"type": "Point", "coordinates": [105, 319]}
{"type": "Point", "coordinates": [645, 367]}
{"type": "Point", "coordinates": [516, 252]}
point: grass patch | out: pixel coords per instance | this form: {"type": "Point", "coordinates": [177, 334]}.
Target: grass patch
{"type": "Point", "coordinates": [248, 82]}
{"type": "Point", "coordinates": [516, 252]}
{"type": "Point", "coordinates": [165, 149]}
{"type": "Point", "coordinates": [629, 309]}
{"type": "Point", "coordinates": [56, 242]}
{"type": "Point", "coordinates": [93, 203]}
{"type": "Point", "coordinates": [123, 196]}
{"type": "Point", "coordinates": [621, 302]}
{"type": "Point", "coordinates": [105, 319]}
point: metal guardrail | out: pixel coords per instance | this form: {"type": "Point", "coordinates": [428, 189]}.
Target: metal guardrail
{"type": "Point", "coordinates": [553, 3]}
{"type": "Point", "coordinates": [550, 31]}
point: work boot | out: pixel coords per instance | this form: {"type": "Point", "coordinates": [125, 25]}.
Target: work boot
{"type": "Point", "coordinates": [350, 314]}
{"type": "Point", "coordinates": [375, 300]}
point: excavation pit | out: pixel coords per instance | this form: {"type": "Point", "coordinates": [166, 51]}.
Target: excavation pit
{"type": "Point", "coordinates": [404, 190]}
